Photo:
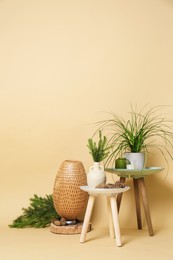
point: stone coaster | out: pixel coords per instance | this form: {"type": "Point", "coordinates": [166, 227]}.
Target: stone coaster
{"type": "Point", "coordinates": [68, 229]}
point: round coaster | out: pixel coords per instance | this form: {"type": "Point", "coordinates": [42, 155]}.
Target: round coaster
{"type": "Point", "coordinates": [68, 229]}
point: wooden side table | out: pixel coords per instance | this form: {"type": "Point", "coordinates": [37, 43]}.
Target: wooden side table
{"type": "Point", "coordinates": [139, 189]}
{"type": "Point", "coordinates": [111, 194]}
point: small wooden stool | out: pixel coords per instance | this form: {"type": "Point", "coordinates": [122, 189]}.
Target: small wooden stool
{"type": "Point", "coordinates": [114, 228]}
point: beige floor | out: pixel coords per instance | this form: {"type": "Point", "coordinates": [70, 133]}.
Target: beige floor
{"type": "Point", "coordinates": [40, 244]}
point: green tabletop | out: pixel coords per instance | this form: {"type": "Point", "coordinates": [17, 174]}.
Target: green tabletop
{"type": "Point", "coordinates": [134, 173]}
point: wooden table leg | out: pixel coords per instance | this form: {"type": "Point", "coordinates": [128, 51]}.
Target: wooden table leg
{"type": "Point", "coordinates": [119, 196]}
{"type": "Point", "coordinates": [111, 225]}
{"type": "Point", "coordinates": [87, 218]}
{"type": "Point", "coordinates": [146, 206]}
{"type": "Point", "coordinates": [113, 203]}
{"type": "Point", "coordinates": [137, 202]}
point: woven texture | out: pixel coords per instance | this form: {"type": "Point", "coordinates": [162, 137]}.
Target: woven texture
{"type": "Point", "coordinates": [69, 200]}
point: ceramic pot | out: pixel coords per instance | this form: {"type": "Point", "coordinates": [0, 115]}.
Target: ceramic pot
{"type": "Point", "coordinates": [69, 200]}
{"type": "Point", "coordinates": [137, 160]}
{"type": "Point", "coordinates": [96, 175]}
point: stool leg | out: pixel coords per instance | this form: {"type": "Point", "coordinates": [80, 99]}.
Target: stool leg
{"type": "Point", "coordinates": [111, 225]}
{"type": "Point", "coordinates": [119, 196]}
{"type": "Point", "coordinates": [137, 202]}
{"type": "Point", "coordinates": [113, 203]}
{"type": "Point", "coordinates": [87, 218]}
{"type": "Point", "coordinates": [146, 206]}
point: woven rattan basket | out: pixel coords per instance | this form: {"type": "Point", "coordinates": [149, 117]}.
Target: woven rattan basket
{"type": "Point", "coordinates": [69, 200]}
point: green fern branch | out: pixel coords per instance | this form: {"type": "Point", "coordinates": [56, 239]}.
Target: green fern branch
{"type": "Point", "coordinates": [98, 151]}
{"type": "Point", "coordinates": [39, 214]}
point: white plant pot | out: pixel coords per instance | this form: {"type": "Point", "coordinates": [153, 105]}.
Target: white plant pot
{"type": "Point", "coordinates": [96, 175]}
{"type": "Point", "coordinates": [137, 160]}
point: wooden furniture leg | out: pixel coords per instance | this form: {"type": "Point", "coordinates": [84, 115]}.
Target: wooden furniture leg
{"type": "Point", "coordinates": [137, 202]}
{"type": "Point", "coordinates": [146, 206]}
{"type": "Point", "coordinates": [119, 196]}
{"type": "Point", "coordinates": [111, 225]}
{"type": "Point", "coordinates": [114, 209]}
{"type": "Point", "coordinates": [87, 218]}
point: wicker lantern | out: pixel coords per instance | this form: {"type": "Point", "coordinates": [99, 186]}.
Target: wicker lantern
{"type": "Point", "coordinates": [69, 200]}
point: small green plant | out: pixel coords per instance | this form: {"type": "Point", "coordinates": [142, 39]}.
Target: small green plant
{"type": "Point", "coordinates": [39, 214]}
{"type": "Point", "coordinates": [98, 151]}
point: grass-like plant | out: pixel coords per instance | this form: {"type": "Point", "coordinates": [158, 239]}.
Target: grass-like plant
{"type": "Point", "coordinates": [99, 151]}
{"type": "Point", "coordinates": [143, 129]}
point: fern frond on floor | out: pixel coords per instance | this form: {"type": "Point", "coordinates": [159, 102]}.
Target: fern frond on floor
{"type": "Point", "coordinates": [39, 214]}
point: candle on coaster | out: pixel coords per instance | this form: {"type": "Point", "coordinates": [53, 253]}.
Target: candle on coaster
{"type": "Point", "coordinates": [130, 166]}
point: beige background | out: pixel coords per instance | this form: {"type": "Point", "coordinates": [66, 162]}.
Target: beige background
{"type": "Point", "coordinates": [62, 63]}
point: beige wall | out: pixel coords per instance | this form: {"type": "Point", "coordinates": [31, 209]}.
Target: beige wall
{"type": "Point", "coordinates": [61, 64]}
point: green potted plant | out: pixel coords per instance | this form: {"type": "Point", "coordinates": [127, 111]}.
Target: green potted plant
{"type": "Point", "coordinates": [144, 129]}
{"type": "Point", "coordinates": [99, 151]}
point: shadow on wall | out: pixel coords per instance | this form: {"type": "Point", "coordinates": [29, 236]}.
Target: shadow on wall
{"type": "Point", "coordinates": [160, 199]}
{"type": "Point", "coordinates": [168, 1]}
{"type": "Point", "coordinates": [160, 196]}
